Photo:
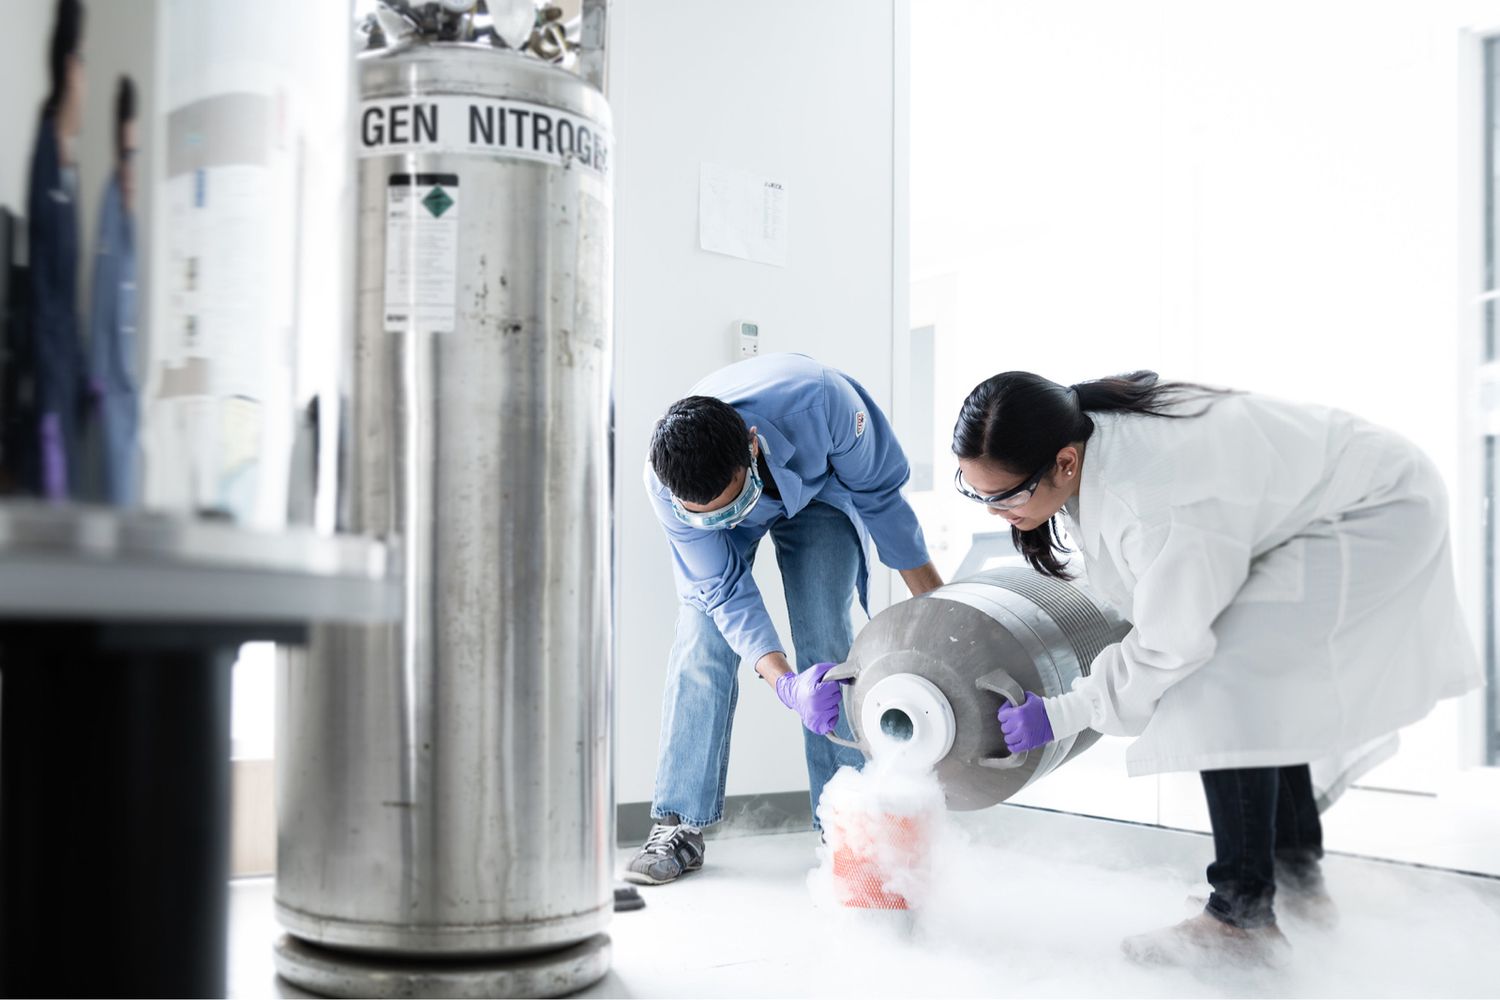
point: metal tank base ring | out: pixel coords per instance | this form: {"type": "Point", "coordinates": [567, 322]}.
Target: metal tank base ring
{"type": "Point", "coordinates": [331, 973]}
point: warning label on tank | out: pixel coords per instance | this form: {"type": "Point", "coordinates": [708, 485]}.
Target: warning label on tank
{"type": "Point", "coordinates": [451, 123]}
{"type": "Point", "coordinates": [421, 252]}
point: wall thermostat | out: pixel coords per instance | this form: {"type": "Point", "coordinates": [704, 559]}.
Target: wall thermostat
{"type": "Point", "coordinates": [747, 335]}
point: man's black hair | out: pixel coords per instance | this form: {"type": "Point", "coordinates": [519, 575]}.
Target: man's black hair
{"type": "Point", "coordinates": [124, 112]}
{"type": "Point", "coordinates": [67, 40]}
{"type": "Point", "coordinates": [698, 446]}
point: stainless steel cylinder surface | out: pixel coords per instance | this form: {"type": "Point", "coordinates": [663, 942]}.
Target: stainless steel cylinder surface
{"type": "Point", "coordinates": [933, 672]}
{"type": "Point", "coordinates": [444, 785]}
{"type": "Point", "coordinates": [340, 974]}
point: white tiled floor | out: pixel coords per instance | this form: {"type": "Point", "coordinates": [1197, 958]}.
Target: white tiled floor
{"type": "Point", "coordinates": [1035, 904]}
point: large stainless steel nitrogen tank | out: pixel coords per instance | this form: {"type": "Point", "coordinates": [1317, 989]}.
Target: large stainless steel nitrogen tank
{"type": "Point", "coordinates": [445, 785]}
{"type": "Point", "coordinates": [930, 674]}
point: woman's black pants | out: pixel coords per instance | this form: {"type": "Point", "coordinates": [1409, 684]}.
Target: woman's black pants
{"type": "Point", "coordinates": [1266, 829]}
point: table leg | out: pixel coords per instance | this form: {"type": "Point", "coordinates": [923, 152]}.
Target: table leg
{"type": "Point", "coordinates": [114, 811]}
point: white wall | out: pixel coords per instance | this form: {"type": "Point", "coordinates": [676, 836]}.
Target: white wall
{"type": "Point", "coordinates": [801, 92]}
{"type": "Point", "coordinates": [1271, 201]}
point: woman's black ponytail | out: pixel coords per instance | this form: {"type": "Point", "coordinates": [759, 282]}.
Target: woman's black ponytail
{"type": "Point", "coordinates": [1139, 392]}
{"type": "Point", "coordinates": [1020, 421]}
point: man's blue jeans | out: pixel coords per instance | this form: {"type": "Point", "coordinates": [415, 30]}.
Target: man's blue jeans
{"type": "Point", "coordinates": [818, 551]}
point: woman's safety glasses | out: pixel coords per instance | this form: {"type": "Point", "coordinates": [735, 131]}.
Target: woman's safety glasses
{"type": "Point", "coordinates": [1010, 499]}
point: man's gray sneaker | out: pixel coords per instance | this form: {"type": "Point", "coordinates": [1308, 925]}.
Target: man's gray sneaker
{"type": "Point", "coordinates": [670, 851]}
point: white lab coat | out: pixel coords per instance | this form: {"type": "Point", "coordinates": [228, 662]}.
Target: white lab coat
{"type": "Point", "coordinates": [1287, 573]}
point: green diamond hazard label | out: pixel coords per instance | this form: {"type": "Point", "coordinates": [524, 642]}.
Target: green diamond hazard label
{"type": "Point", "coordinates": [437, 202]}
{"type": "Point", "coordinates": [421, 252]}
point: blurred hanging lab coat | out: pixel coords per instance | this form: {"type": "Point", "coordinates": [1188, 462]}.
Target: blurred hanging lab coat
{"type": "Point", "coordinates": [53, 271]}
{"type": "Point", "coordinates": [112, 347]}
{"type": "Point", "coordinates": [1287, 571]}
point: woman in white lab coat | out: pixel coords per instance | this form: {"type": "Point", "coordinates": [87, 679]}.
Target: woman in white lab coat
{"type": "Point", "coordinates": [1286, 570]}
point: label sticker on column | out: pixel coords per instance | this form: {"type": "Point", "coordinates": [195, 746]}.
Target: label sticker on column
{"type": "Point", "coordinates": [421, 252]}
{"type": "Point", "coordinates": [453, 123]}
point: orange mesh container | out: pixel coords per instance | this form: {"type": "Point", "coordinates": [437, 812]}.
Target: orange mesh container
{"type": "Point", "coordinates": [873, 851]}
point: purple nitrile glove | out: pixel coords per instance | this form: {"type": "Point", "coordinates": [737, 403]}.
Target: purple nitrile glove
{"type": "Point", "coordinates": [54, 459]}
{"type": "Point", "coordinates": [1026, 726]}
{"type": "Point", "coordinates": [811, 697]}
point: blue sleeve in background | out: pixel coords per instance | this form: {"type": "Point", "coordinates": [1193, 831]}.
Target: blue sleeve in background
{"type": "Point", "coordinates": [104, 296]}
